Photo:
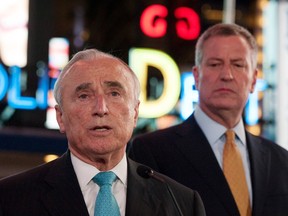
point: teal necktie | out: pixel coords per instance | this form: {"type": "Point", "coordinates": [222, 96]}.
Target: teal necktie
{"type": "Point", "coordinates": [106, 204]}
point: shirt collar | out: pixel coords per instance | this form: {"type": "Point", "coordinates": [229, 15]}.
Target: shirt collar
{"type": "Point", "coordinates": [213, 130]}
{"type": "Point", "coordinates": [85, 172]}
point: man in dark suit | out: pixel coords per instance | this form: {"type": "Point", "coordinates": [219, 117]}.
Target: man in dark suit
{"type": "Point", "coordinates": [53, 189]}
{"type": "Point", "coordinates": [192, 152]}
{"type": "Point", "coordinates": [97, 109]}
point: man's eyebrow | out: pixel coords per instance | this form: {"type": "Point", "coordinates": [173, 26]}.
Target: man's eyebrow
{"type": "Point", "coordinates": [113, 84]}
{"type": "Point", "coordinates": [214, 59]}
{"type": "Point", "coordinates": [83, 86]}
{"type": "Point", "coordinates": [237, 59]}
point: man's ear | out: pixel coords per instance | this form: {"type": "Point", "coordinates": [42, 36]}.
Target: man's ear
{"type": "Point", "coordinates": [195, 71]}
{"type": "Point", "coordinates": [59, 115]}
{"type": "Point", "coordinates": [136, 109]}
{"type": "Point", "coordinates": [255, 74]}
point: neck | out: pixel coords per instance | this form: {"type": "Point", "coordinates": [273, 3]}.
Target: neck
{"type": "Point", "coordinates": [103, 162]}
{"type": "Point", "coordinates": [227, 118]}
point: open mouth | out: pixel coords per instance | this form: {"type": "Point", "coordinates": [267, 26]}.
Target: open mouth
{"type": "Point", "coordinates": [101, 128]}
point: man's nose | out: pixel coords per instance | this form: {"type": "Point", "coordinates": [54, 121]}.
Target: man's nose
{"type": "Point", "coordinates": [100, 106]}
{"type": "Point", "coordinates": [227, 72]}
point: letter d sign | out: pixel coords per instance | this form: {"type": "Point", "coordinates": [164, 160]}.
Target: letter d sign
{"type": "Point", "coordinates": [139, 60]}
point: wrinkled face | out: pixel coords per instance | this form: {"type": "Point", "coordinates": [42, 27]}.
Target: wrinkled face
{"type": "Point", "coordinates": [99, 110]}
{"type": "Point", "coordinates": [225, 77]}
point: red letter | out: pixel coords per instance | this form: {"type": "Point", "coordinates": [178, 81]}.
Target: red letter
{"type": "Point", "coordinates": [188, 26]}
{"type": "Point", "coordinates": [152, 21]}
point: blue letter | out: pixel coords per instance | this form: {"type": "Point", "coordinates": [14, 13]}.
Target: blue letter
{"type": "Point", "coordinates": [14, 95]}
{"type": "Point", "coordinates": [3, 82]}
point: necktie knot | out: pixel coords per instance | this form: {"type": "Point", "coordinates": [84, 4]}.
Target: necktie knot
{"type": "Point", "coordinates": [104, 178]}
{"type": "Point", "coordinates": [230, 136]}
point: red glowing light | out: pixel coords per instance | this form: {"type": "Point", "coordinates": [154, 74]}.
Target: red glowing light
{"type": "Point", "coordinates": [188, 24]}
{"type": "Point", "coordinates": [152, 21]}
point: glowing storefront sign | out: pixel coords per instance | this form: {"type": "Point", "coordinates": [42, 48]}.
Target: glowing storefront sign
{"type": "Point", "coordinates": [14, 32]}
{"type": "Point", "coordinates": [139, 60]}
{"type": "Point", "coordinates": [252, 106]}
{"type": "Point", "coordinates": [12, 87]}
{"type": "Point", "coordinates": [15, 99]}
{"type": "Point", "coordinates": [188, 24]}
{"type": "Point", "coordinates": [58, 58]}
{"type": "Point", "coordinates": [43, 86]}
{"type": "Point", "coordinates": [153, 22]}
{"type": "Point", "coordinates": [58, 53]}
{"type": "Point", "coordinates": [189, 96]}
{"type": "Point", "coordinates": [3, 82]}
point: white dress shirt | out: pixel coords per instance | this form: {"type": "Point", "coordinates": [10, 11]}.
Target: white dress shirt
{"type": "Point", "coordinates": [215, 134]}
{"type": "Point", "coordinates": [85, 172]}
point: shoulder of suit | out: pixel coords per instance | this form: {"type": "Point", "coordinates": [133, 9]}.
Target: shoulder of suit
{"type": "Point", "coordinates": [30, 175]}
{"type": "Point", "coordinates": [269, 145]}
{"type": "Point", "coordinates": [161, 132]}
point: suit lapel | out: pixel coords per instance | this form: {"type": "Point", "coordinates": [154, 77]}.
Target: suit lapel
{"type": "Point", "coordinates": [140, 200]}
{"type": "Point", "coordinates": [64, 196]}
{"type": "Point", "coordinates": [259, 163]}
{"type": "Point", "coordinates": [195, 147]}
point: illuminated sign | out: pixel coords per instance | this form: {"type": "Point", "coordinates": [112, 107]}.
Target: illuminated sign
{"type": "Point", "coordinates": [12, 86]}
{"type": "Point", "coordinates": [4, 82]}
{"type": "Point", "coordinates": [189, 96]}
{"type": "Point", "coordinates": [252, 106]}
{"type": "Point", "coordinates": [153, 22]}
{"type": "Point", "coordinates": [15, 99]}
{"type": "Point", "coordinates": [139, 60]}
{"type": "Point", "coordinates": [188, 24]}
{"type": "Point", "coordinates": [177, 89]}
{"type": "Point", "coordinates": [14, 32]}
{"type": "Point", "coordinates": [58, 58]}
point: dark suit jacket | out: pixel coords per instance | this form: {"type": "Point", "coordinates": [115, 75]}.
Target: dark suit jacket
{"type": "Point", "coordinates": [183, 153]}
{"type": "Point", "coordinates": [53, 189]}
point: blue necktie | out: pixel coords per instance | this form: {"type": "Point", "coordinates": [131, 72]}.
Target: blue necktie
{"type": "Point", "coordinates": [106, 204]}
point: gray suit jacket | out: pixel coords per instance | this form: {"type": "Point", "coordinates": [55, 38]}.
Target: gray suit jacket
{"type": "Point", "coordinates": [53, 189]}
{"type": "Point", "coordinates": [183, 153]}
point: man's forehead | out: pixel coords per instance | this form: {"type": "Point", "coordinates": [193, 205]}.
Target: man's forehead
{"type": "Point", "coordinates": [103, 71]}
{"type": "Point", "coordinates": [97, 68]}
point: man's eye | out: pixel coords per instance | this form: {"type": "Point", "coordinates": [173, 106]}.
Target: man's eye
{"type": "Point", "coordinates": [83, 96]}
{"type": "Point", "coordinates": [239, 65]}
{"type": "Point", "coordinates": [214, 64]}
{"type": "Point", "coordinates": [114, 93]}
